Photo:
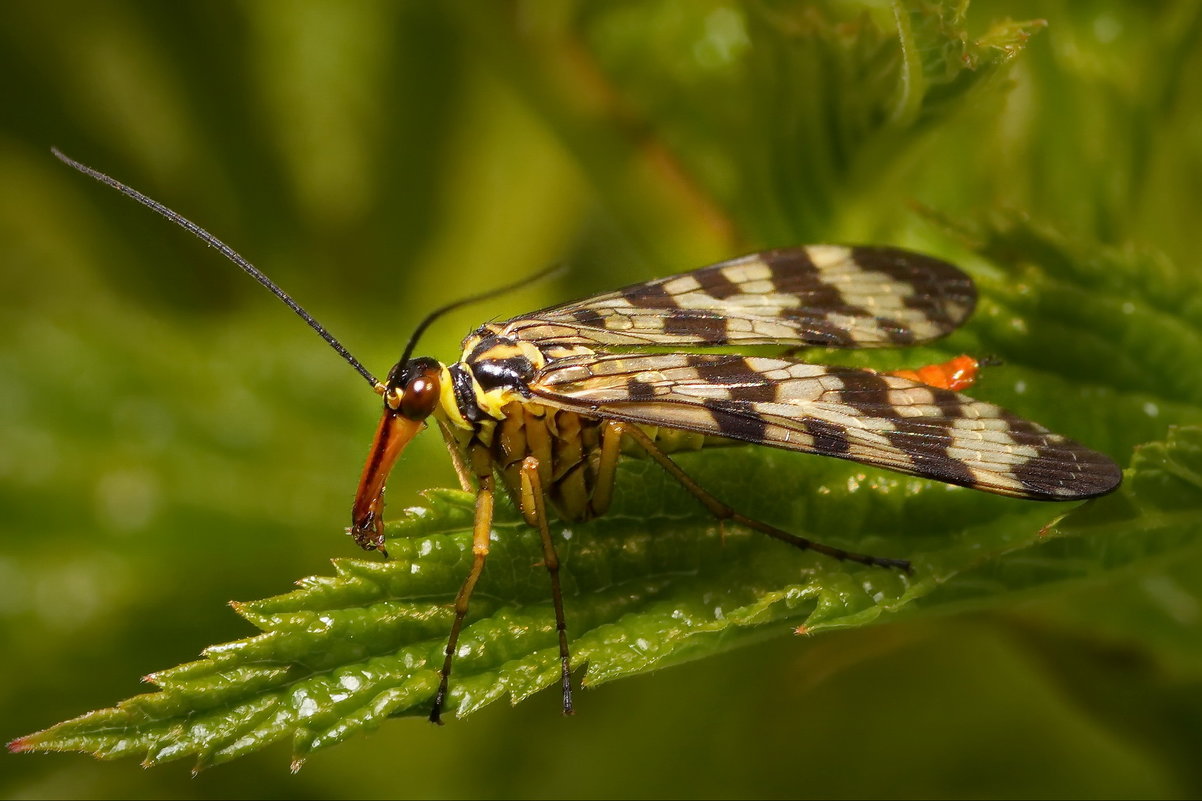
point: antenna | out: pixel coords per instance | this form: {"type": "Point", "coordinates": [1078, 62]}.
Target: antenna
{"type": "Point", "coordinates": [229, 253]}
{"type": "Point", "coordinates": [492, 293]}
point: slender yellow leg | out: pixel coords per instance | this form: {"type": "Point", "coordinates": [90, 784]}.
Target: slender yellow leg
{"type": "Point", "coordinates": [611, 451]}
{"type": "Point", "coordinates": [534, 510]}
{"type": "Point", "coordinates": [723, 512]}
{"type": "Point", "coordinates": [480, 539]}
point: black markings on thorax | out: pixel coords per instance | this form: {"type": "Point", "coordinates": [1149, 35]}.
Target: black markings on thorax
{"type": "Point", "coordinates": [514, 373]}
{"type": "Point", "coordinates": [495, 363]}
{"type": "Point", "coordinates": [463, 386]}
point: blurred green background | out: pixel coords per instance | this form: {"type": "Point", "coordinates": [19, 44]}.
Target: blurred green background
{"type": "Point", "coordinates": [171, 438]}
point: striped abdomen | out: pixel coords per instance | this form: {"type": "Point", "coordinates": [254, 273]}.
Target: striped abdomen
{"type": "Point", "coordinates": [568, 448]}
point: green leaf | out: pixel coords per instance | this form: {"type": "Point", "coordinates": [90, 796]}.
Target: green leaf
{"type": "Point", "coordinates": [648, 586]}
{"type": "Point", "coordinates": [1093, 342]}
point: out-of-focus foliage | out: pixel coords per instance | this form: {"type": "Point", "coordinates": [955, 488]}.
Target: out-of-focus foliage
{"type": "Point", "coordinates": [172, 439]}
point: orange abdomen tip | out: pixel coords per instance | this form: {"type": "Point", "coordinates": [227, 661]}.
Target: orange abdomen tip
{"type": "Point", "coordinates": [955, 374]}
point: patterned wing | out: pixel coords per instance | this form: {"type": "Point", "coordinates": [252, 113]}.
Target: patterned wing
{"type": "Point", "coordinates": [816, 295]}
{"type": "Point", "coordinates": [849, 413]}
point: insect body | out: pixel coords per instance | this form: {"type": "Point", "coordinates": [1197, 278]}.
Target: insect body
{"type": "Point", "coordinates": [545, 403]}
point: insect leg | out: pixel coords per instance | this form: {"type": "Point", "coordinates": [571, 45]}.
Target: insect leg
{"type": "Point", "coordinates": [607, 465]}
{"type": "Point", "coordinates": [723, 512]}
{"type": "Point", "coordinates": [461, 469]}
{"type": "Point", "coordinates": [480, 538]}
{"type": "Point", "coordinates": [534, 510]}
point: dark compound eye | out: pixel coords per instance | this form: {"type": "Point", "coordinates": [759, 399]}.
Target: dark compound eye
{"type": "Point", "coordinates": [421, 392]}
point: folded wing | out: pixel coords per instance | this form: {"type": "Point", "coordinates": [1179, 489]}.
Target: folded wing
{"type": "Point", "coordinates": [867, 417]}
{"type": "Point", "coordinates": [816, 295]}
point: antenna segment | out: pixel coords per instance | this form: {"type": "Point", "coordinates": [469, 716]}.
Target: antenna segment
{"type": "Point", "coordinates": [492, 293]}
{"type": "Point", "coordinates": [227, 251]}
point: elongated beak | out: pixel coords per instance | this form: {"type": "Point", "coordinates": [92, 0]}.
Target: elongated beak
{"type": "Point", "coordinates": [367, 520]}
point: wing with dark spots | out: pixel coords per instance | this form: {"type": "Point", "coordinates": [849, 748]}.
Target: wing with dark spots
{"type": "Point", "coordinates": [816, 295]}
{"type": "Point", "coordinates": [879, 420]}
